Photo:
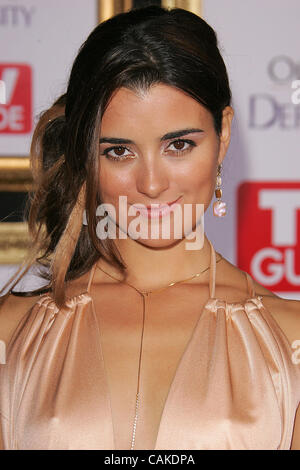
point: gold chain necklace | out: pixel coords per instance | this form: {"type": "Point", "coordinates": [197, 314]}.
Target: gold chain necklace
{"type": "Point", "coordinates": [145, 294]}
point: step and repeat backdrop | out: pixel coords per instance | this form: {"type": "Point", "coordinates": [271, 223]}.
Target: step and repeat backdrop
{"type": "Point", "coordinates": [259, 41]}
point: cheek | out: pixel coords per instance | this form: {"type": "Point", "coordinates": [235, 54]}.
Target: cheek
{"type": "Point", "coordinates": [197, 179]}
{"type": "Point", "coordinates": [113, 183]}
{"type": "Point", "coordinates": [198, 173]}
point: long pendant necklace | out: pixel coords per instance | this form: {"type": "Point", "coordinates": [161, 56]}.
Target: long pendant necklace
{"type": "Point", "coordinates": [145, 294]}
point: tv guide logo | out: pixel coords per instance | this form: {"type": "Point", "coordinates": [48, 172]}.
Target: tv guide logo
{"type": "Point", "coordinates": [15, 98]}
{"type": "Point", "coordinates": [268, 233]}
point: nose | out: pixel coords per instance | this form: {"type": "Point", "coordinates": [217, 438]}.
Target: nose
{"type": "Point", "coordinates": [152, 177]}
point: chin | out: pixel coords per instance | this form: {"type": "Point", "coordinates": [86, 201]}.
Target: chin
{"type": "Point", "coordinates": [144, 236]}
{"type": "Point", "coordinates": [160, 243]}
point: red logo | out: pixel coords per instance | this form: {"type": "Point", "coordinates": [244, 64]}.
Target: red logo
{"type": "Point", "coordinates": [268, 233]}
{"type": "Point", "coordinates": [15, 99]}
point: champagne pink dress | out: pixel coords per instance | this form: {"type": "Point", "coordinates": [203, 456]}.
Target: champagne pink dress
{"type": "Point", "coordinates": [235, 387]}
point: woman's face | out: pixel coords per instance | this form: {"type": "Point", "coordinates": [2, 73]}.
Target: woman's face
{"type": "Point", "coordinates": [167, 150]}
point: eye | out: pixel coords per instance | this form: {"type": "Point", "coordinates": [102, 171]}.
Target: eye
{"type": "Point", "coordinates": [180, 148]}
{"type": "Point", "coordinates": [185, 145]}
{"type": "Point", "coordinates": [119, 155]}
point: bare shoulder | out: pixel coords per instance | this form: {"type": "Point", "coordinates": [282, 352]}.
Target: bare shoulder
{"type": "Point", "coordinates": [12, 310]}
{"type": "Point", "coordinates": [286, 312]}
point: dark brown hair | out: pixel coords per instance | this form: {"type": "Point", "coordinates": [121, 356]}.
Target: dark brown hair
{"type": "Point", "coordinates": [136, 50]}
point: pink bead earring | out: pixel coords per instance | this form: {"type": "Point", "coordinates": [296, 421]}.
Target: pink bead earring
{"type": "Point", "coordinates": [219, 207]}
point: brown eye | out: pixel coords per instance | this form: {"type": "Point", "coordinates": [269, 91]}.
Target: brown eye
{"type": "Point", "coordinates": [119, 150]}
{"type": "Point", "coordinates": [179, 144]}
{"type": "Point", "coordinates": [118, 153]}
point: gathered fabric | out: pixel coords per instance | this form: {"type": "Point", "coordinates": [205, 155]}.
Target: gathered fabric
{"type": "Point", "coordinates": [235, 387]}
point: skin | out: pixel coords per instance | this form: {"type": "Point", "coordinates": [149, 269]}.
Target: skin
{"type": "Point", "coordinates": [153, 172]}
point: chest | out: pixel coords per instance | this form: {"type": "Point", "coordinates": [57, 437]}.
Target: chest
{"type": "Point", "coordinates": [142, 346]}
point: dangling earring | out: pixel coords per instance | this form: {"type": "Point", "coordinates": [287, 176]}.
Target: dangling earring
{"type": "Point", "coordinates": [219, 207]}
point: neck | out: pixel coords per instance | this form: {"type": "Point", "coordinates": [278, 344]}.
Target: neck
{"type": "Point", "coordinates": [152, 268]}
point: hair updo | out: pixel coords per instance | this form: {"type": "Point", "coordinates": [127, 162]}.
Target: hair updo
{"type": "Point", "coordinates": [136, 50]}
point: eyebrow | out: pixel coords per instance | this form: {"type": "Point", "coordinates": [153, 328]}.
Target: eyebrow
{"type": "Point", "coordinates": [169, 135]}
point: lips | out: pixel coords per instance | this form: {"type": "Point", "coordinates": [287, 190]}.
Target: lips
{"type": "Point", "coordinates": [153, 212]}
{"type": "Point", "coordinates": [162, 205]}
{"type": "Point", "coordinates": [165, 204]}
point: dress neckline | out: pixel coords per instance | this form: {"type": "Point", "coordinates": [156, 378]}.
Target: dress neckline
{"type": "Point", "coordinates": [178, 370]}
{"type": "Point", "coordinates": [212, 301]}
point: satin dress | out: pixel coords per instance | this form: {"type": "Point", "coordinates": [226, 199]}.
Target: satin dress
{"type": "Point", "coordinates": [235, 387]}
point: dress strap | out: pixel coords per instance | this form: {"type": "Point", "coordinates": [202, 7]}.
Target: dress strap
{"type": "Point", "coordinates": [250, 285]}
{"type": "Point", "coordinates": [91, 277]}
{"type": "Point", "coordinates": [212, 274]}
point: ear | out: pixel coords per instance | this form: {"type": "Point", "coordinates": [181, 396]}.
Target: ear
{"type": "Point", "coordinates": [228, 114]}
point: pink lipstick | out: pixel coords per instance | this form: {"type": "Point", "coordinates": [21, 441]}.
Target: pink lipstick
{"type": "Point", "coordinates": [157, 210]}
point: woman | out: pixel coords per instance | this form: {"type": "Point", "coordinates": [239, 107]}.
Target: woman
{"type": "Point", "coordinates": [142, 343]}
